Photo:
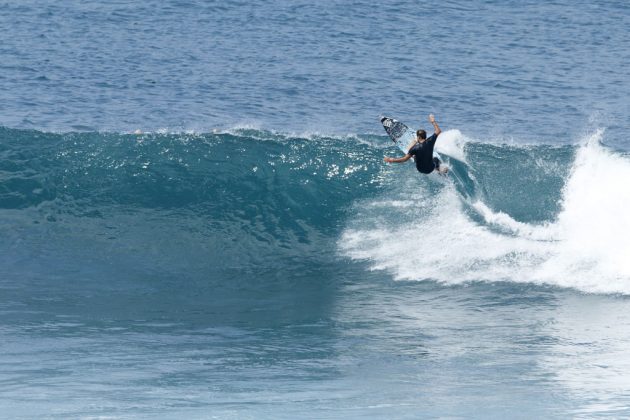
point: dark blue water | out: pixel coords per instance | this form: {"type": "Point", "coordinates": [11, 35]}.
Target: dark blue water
{"type": "Point", "coordinates": [249, 255]}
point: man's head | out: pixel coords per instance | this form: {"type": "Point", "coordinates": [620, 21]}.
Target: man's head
{"type": "Point", "coordinates": [421, 135]}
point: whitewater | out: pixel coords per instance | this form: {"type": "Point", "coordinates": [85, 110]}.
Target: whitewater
{"type": "Point", "coordinates": [582, 246]}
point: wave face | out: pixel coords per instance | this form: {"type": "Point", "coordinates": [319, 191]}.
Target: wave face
{"type": "Point", "coordinates": [219, 206]}
{"type": "Point", "coordinates": [252, 205]}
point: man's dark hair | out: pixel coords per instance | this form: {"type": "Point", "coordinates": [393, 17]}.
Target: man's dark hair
{"type": "Point", "coordinates": [422, 134]}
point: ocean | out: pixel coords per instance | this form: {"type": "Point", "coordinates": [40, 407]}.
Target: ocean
{"type": "Point", "coordinates": [196, 220]}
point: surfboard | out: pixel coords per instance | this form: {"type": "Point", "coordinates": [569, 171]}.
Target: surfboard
{"type": "Point", "coordinates": [401, 135]}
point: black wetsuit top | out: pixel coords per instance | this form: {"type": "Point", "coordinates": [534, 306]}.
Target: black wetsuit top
{"type": "Point", "coordinates": [423, 154]}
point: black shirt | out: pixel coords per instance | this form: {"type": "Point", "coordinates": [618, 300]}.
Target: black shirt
{"type": "Point", "coordinates": [423, 154]}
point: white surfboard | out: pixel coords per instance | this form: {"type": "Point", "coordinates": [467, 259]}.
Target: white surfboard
{"type": "Point", "coordinates": [401, 135]}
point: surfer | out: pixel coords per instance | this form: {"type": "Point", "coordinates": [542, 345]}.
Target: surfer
{"type": "Point", "coordinates": [422, 151]}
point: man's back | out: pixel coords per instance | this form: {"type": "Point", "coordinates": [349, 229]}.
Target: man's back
{"type": "Point", "coordinates": [423, 154]}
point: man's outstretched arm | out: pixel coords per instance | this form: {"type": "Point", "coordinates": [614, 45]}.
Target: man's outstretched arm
{"type": "Point", "coordinates": [397, 160]}
{"type": "Point", "coordinates": [436, 127]}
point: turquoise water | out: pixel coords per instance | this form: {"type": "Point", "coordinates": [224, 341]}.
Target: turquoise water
{"type": "Point", "coordinates": [249, 255]}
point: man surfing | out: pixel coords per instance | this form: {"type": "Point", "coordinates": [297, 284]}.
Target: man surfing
{"type": "Point", "coordinates": [422, 151]}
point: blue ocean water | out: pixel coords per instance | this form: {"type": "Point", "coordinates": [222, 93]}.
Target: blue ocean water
{"type": "Point", "coordinates": [196, 221]}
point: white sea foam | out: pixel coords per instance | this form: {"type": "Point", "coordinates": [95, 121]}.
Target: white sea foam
{"type": "Point", "coordinates": [586, 248]}
{"type": "Point", "coordinates": [545, 232]}
{"type": "Point", "coordinates": [451, 143]}
{"type": "Point", "coordinates": [595, 222]}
